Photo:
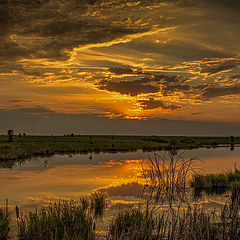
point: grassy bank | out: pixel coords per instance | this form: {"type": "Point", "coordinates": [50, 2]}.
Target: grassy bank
{"type": "Point", "coordinates": [23, 147]}
{"type": "Point", "coordinates": [216, 182]}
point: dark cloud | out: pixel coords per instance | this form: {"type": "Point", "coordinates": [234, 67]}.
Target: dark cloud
{"type": "Point", "coordinates": [165, 78]}
{"type": "Point", "coordinates": [121, 70]}
{"type": "Point", "coordinates": [152, 104]}
{"type": "Point", "coordinates": [171, 89]}
{"type": "Point", "coordinates": [213, 92]}
{"type": "Point", "coordinates": [34, 110]}
{"type": "Point", "coordinates": [236, 77]}
{"type": "Point", "coordinates": [235, 4]}
{"type": "Point", "coordinates": [219, 68]}
{"type": "Point", "coordinates": [132, 88]}
{"type": "Point", "coordinates": [50, 29]}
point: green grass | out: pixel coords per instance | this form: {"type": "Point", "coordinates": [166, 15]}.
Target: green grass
{"type": "Point", "coordinates": [213, 182]}
{"type": "Point", "coordinates": [132, 224]}
{"type": "Point", "coordinates": [24, 147]}
{"type": "Point", "coordinates": [64, 220]}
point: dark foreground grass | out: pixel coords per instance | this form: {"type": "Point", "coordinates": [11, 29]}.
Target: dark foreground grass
{"type": "Point", "coordinates": [194, 224]}
{"type": "Point", "coordinates": [24, 147]}
{"type": "Point", "coordinates": [189, 224]}
{"type": "Point", "coordinates": [4, 223]}
{"type": "Point", "coordinates": [69, 220]}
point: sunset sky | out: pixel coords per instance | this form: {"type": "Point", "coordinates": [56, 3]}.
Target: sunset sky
{"type": "Point", "coordinates": [163, 67]}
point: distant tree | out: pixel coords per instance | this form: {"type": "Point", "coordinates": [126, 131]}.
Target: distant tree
{"type": "Point", "coordinates": [20, 135]}
{"type": "Point", "coordinates": [72, 135]}
{"type": "Point", "coordinates": [10, 134]}
{"type": "Point", "coordinates": [24, 134]}
{"type": "Point", "coordinates": [173, 141]}
{"type": "Point", "coordinates": [232, 138]}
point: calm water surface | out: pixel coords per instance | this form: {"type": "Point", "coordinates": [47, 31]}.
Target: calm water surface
{"type": "Point", "coordinates": [35, 183]}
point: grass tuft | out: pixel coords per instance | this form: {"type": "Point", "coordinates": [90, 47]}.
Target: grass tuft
{"type": "Point", "coordinates": [98, 204]}
{"type": "Point", "coordinates": [64, 220]}
{"type": "Point", "coordinates": [132, 224]}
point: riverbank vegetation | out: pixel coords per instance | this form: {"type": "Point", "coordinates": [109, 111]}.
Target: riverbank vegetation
{"type": "Point", "coordinates": [219, 182]}
{"type": "Point", "coordinates": [77, 221]}
{"type": "Point", "coordinates": [23, 147]}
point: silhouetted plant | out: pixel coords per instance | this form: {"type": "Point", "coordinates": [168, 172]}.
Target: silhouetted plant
{"type": "Point", "coordinates": [168, 177]}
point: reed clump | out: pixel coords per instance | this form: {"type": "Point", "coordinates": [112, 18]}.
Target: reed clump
{"type": "Point", "coordinates": [132, 224]}
{"type": "Point", "coordinates": [97, 204]}
{"type": "Point", "coordinates": [215, 181]}
{"type": "Point", "coordinates": [192, 223]}
{"type": "Point", "coordinates": [64, 220]}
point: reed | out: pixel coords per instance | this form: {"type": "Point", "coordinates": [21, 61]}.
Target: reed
{"type": "Point", "coordinates": [98, 204]}
{"type": "Point", "coordinates": [64, 220]}
{"type": "Point", "coordinates": [132, 224]}
{"type": "Point", "coordinates": [192, 223]}
{"type": "Point", "coordinates": [5, 219]}
{"type": "Point", "coordinates": [168, 177]}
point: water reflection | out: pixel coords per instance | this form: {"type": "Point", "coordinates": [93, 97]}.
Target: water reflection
{"type": "Point", "coordinates": [33, 183]}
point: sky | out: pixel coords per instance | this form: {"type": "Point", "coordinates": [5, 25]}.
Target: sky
{"type": "Point", "coordinates": [150, 67]}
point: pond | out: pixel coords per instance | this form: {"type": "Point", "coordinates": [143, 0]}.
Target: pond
{"type": "Point", "coordinates": [34, 183]}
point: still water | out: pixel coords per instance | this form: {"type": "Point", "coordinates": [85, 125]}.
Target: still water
{"type": "Point", "coordinates": [37, 182]}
